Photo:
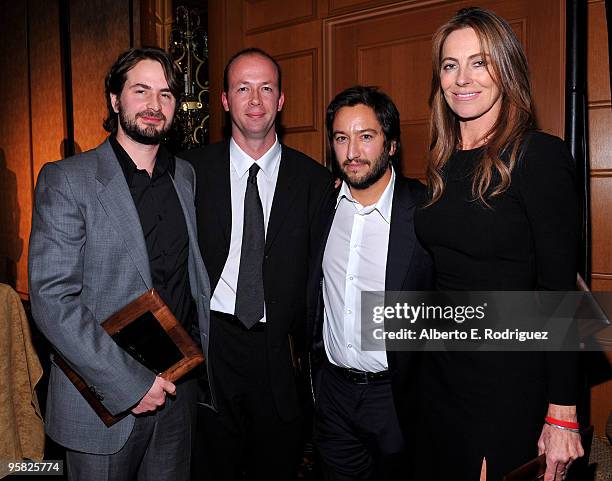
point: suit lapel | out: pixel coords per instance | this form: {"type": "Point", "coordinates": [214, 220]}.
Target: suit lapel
{"type": "Point", "coordinates": [185, 194]}
{"type": "Point", "coordinates": [321, 252]}
{"type": "Point", "coordinates": [316, 279]}
{"type": "Point", "coordinates": [402, 240]}
{"type": "Point", "coordinates": [116, 199]}
{"type": "Point", "coordinates": [219, 187]}
{"type": "Point", "coordinates": [284, 193]}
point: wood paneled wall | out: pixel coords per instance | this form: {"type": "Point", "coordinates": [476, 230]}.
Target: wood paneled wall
{"type": "Point", "coordinates": [99, 32]}
{"type": "Point", "coordinates": [15, 145]}
{"type": "Point", "coordinates": [600, 146]}
{"type": "Point", "coordinates": [46, 89]}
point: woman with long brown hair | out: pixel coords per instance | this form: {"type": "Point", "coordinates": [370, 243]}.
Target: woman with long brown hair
{"type": "Point", "coordinates": [502, 216]}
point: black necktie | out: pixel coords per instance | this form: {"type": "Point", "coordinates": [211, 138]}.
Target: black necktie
{"type": "Point", "coordinates": [249, 292]}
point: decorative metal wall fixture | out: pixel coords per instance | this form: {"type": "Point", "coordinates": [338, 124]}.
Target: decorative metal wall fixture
{"type": "Point", "coordinates": [189, 49]}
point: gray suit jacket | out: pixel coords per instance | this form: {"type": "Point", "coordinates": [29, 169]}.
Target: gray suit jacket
{"type": "Point", "coordinates": [88, 259]}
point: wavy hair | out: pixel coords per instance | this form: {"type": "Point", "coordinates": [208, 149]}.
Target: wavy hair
{"type": "Point", "coordinates": [507, 65]}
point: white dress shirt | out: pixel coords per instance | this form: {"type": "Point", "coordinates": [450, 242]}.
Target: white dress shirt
{"type": "Point", "coordinates": [355, 260]}
{"type": "Point", "coordinates": [224, 297]}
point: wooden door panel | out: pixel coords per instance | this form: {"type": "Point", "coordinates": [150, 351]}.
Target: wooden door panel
{"type": "Point", "coordinates": [263, 15]}
{"type": "Point", "coordinates": [337, 7]}
{"type": "Point", "coordinates": [597, 61]}
{"type": "Point", "coordinates": [601, 200]}
{"type": "Point", "coordinates": [299, 84]}
{"type": "Point", "coordinates": [600, 141]}
{"type": "Point", "coordinates": [407, 79]}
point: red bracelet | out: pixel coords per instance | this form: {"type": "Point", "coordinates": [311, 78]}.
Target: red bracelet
{"type": "Point", "coordinates": [565, 424]}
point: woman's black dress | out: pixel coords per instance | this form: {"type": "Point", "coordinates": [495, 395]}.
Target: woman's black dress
{"type": "Point", "coordinates": [492, 404]}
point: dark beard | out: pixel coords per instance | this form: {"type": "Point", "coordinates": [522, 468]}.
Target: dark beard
{"type": "Point", "coordinates": [381, 166]}
{"type": "Point", "coordinates": [147, 135]}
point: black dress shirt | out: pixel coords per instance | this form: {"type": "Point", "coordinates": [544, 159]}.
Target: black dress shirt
{"type": "Point", "coordinates": [164, 229]}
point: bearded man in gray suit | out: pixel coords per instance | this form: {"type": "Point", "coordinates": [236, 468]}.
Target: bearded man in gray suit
{"type": "Point", "coordinates": [109, 224]}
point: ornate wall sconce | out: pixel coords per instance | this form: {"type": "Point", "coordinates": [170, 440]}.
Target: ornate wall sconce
{"type": "Point", "coordinates": [189, 49]}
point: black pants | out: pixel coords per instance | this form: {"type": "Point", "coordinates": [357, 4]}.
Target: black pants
{"type": "Point", "coordinates": [357, 433]}
{"type": "Point", "coordinates": [246, 437]}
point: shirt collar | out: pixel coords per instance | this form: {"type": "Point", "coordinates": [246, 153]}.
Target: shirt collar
{"type": "Point", "coordinates": [164, 161]}
{"type": "Point", "coordinates": [268, 162]}
{"type": "Point", "coordinates": [383, 205]}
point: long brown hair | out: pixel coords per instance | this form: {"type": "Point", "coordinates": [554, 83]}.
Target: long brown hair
{"type": "Point", "coordinates": [507, 66]}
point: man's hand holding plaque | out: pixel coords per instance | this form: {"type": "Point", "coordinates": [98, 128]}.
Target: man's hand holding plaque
{"type": "Point", "coordinates": [155, 397]}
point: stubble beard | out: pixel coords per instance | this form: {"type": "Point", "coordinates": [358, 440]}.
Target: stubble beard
{"type": "Point", "coordinates": [149, 135]}
{"type": "Point", "coordinates": [381, 164]}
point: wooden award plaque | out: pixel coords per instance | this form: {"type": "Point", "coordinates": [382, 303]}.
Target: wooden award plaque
{"type": "Point", "coordinates": [150, 333]}
{"type": "Point", "coordinates": [530, 471]}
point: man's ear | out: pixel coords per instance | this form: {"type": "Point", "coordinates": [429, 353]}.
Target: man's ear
{"type": "Point", "coordinates": [225, 102]}
{"type": "Point", "coordinates": [115, 102]}
{"type": "Point", "coordinates": [393, 148]}
{"type": "Point", "coordinates": [281, 102]}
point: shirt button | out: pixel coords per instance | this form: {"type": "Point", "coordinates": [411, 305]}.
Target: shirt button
{"type": "Point", "coordinates": [350, 346]}
{"type": "Point", "coordinates": [350, 278]}
{"type": "Point", "coordinates": [348, 311]}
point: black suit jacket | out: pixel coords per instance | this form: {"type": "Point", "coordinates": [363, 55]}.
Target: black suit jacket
{"type": "Point", "coordinates": [409, 268]}
{"type": "Point", "coordinates": [296, 222]}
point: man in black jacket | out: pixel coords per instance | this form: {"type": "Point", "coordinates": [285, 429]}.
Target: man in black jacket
{"type": "Point", "coordinates": [259, 206]}
{"type": "Point", "coordinates": [362, 397]}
